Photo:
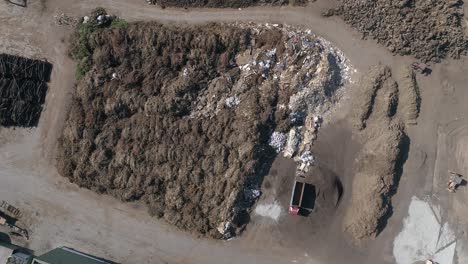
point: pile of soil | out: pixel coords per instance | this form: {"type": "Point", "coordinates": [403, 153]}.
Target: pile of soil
{"type": "Point", "coordinates": [381, 115]}
{"type": "Point", "coordinates": [180, 116]}
{"type": "Point", "coordinates": [224, 3]}
{"type": "Point", "coordinates": [427, 29]}
{"type": "Point", "coordinates": [23, 88]}
{"type": "Point", "coordinates": [410, 98]}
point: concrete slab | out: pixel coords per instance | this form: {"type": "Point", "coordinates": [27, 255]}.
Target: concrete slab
{"type": "Point", "coordinates": [423, 236]}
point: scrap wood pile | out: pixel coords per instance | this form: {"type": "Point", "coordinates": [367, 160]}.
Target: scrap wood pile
{"type": "Point", "coordinates": [181, 116]}
{"type": "Point", "coordinates": [65, 20]}
{"type": "Point", "coordinates": [427, 29]}
{"type": "Point", "coordinates": [23, 87]}
{"type": "Point", "coordinates": [15, 67]}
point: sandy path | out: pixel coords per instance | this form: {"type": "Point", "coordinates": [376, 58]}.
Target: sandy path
{"type": "Point", "coordinates": [66, 215]}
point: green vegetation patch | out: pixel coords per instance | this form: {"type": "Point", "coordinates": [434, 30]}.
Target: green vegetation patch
{"type": "Point", "coordinates": [80, 50]}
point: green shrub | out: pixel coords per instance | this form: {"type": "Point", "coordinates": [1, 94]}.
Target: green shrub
{"type": "Point", "coordinates": [81, 69]}
{"type": "Point", "coordinates": [80, 49]}
{"type": "Point", "coordinates": [118, 22]}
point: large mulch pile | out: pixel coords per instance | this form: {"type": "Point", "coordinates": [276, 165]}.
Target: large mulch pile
{"type": "Point", "coordinates": [180, 116]}
{"type": "Point", "coordinates": [23, 88]}
{"type": "Point", "coordinates": [427, 29]}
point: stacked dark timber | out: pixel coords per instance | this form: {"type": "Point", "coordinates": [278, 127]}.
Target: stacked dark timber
{"type": "Point", "coordinates": [23, 87]}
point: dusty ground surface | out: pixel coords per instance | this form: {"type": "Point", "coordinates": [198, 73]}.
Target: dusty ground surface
{"type": "Point", "coordinates": [62, 214]}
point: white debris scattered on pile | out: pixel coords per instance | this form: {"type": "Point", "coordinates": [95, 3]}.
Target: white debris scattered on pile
{"type": "Point", "coordinates": [85, 19]}
{"type": "Point", "coordinates": [252, 193]}
{"type": "Point", "coordinates": [245, 67]}
{"type": "Point", "coordinates": [308, 66]}
{"type": "Point", "coordinates": [277, 141]}
{"type": "Point", "coordinates": [292, 143]}
{"type": "Point", "coordinates": [307, 158]}
{"type": "Point", "coordinates": [225, 228]}
{"type": "Point", "coordinates": [232, 101]}
{"type": "Point", "coordinates": [272, 210]}
{"type": "Point", "coordinates": [343, 62]}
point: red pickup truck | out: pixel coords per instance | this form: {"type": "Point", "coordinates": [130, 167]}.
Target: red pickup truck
{"type": "Point", "coordinates": [302, 198]}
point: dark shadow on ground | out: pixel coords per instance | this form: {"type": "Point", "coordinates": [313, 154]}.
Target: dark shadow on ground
{"type": "Point", "coordinates": [26, 251]}
{"type": "Point", "coordinates": [5, 238]}
{"type": "Point", "coordinates": [9, 220]}
{"type": "Point", "coordinates": [266, 156]}
{"type": "Point", "coordinates": [463, 182]}
{"type": "Point", "coordinates": [426, 71]}
{"type": "Point", "coordinates": [22, 3]}
{"type": "Point", "coordinates": [335, 79]}
{"type": "Point", "coordinates": [339, 191]}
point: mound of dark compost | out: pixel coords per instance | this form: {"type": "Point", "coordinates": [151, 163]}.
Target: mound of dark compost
{"type": "Point", "coordinates": [430, 30]}
{"type": "Point", "coordinates": [130, 132]}
{"type": "Point", "coordinates": [23, 88]}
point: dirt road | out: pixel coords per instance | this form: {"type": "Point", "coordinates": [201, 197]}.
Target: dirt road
{"type": "Point", "coordinates": [62, 214]}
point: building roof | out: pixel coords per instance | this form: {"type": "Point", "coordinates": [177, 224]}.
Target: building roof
{"type": "Point", "coordinates": [66, 255]}
{"type": "Point", "coordinates": [10, 253]}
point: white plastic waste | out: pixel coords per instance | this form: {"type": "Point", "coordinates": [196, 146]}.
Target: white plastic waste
{"type": "Point", "coordinates": [306, 157]}
{"type": "Point", "coordinates": [232, 101]}
{"type": "Point", "coordinates": [277, 141]}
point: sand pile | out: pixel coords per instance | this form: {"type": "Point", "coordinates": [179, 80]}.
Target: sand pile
{"type": "Point", "coordinates": [427, 29]}
{"type": "Point", "coordinates": [23, 88]}
{"type": "Point", "coordinates": [181, 116]}
{"type": "Point", "coordinates": [409, 96]}
{"type": "Point", "coordinates": [223, 3]}
{"type": "Point", "coordinates": [382, 108]}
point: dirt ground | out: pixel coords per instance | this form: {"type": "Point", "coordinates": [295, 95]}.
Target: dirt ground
{"type": "Point", "coordinates": [319, 234]}
{"type": "Point", "coordinates": [62, 214]}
